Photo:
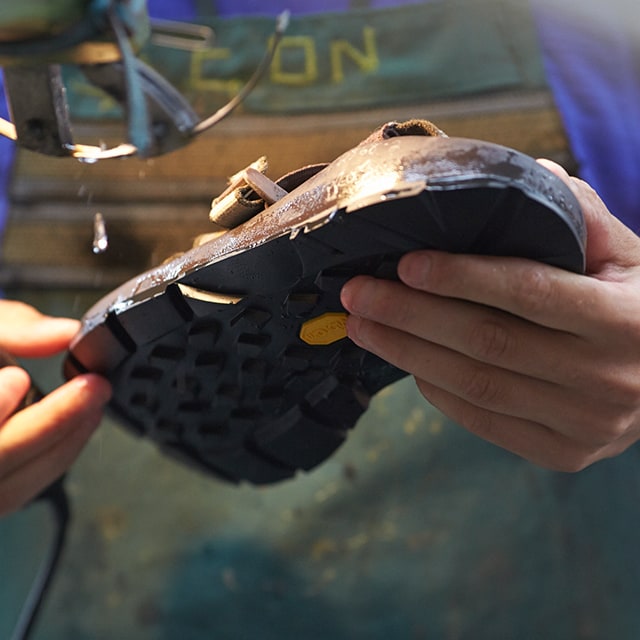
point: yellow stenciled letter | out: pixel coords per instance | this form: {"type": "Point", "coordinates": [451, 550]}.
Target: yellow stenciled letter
{"type": "Point", "coordinates": [367, 60]}
{"type": "Point", "coordinates": [199, 82]}
{"type": "Point", "coordinates": [290, 48]}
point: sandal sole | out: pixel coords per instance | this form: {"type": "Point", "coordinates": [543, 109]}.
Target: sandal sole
{"type": "Point", "coordinates": [234, 357]}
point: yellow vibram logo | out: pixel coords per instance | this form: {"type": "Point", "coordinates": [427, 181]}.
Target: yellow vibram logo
{"type": "Point", "coordinates": [325, 329]}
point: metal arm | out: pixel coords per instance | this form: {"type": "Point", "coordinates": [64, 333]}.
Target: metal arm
{"type": "Point", "coordinates": [103, 37]}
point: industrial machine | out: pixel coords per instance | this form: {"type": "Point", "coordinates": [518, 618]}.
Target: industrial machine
{"type": "Point", "coordinates": [102, 38]}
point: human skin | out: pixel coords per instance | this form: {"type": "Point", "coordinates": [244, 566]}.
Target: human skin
{"type": "Point", "coordinates": [540, 361]}
{"type": "Point", "coordinates": [39, 442]}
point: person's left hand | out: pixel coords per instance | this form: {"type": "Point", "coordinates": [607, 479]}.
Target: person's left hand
{"type": "Point", "coordinates": [39, 442]}
{"type": "Point", "coordinates": [540, 361]}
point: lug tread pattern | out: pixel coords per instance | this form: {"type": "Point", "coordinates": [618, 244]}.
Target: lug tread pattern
{"type": "Point", "coordinates": [233, 383]}
{"type": "Point", "coordinates": [231, 388]}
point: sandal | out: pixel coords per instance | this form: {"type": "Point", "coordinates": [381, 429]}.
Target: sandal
{"type": "Point", "coordinates": [233, 356]}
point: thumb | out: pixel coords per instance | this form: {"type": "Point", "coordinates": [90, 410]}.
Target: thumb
{"type": "Point", "coordinates": [25, 332]}
{"type": "Point", "coordinates": [610, 243]}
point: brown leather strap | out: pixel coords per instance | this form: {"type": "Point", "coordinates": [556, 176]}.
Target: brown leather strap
{"type": "Point", "coordinates": [239, 201]}
{"type": "Point", "coordinates": [413, 127]}
{"type": "Point", "coordinates": [295, 178]}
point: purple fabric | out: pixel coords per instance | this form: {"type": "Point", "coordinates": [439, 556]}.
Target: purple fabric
{"type": "Point", "coordinates": [592, 61]}
{"type": "Point", "coordinates": [171, 9]}
{"type": "Point", "coordinates": [7, 148]}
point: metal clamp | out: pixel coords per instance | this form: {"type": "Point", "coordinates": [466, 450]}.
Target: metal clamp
{"type": "Point", "coordinates": [159, 118]}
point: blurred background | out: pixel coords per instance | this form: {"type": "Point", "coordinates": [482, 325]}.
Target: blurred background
{"type": "Point", "coordinates": [414, 529]}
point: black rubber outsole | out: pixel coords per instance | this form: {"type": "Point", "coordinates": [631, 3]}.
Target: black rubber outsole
{"type": "Point", "coordinates": [240, 365]}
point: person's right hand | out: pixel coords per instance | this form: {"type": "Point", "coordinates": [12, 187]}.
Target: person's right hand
{"type": "Point", "coordinates": [538, 360]}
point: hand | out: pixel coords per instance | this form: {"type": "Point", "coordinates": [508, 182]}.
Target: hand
{"type": "Point", "coordinates": [39, 443]}
{"type": "Point", "coordinates": [540, 361]}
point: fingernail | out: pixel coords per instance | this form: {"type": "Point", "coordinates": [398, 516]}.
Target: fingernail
{"type": "Point", "coordinates": [64, 324]}
{"type": "Point", "coordinates": [413, 269]}
{"type": "Point", "coordinates": [96, 386]}
{"type": "Point", "coordinates": [346, 296]}
{"type": "Point", "coordinates": [552, 166]}
{"type": "Point", "coordinates": [353, 293]}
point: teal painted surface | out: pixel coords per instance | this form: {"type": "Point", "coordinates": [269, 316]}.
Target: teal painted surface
{"type": "Point", "coordinates": [414, 530]}
{"type": "Point", "coordinates": [360, 59]}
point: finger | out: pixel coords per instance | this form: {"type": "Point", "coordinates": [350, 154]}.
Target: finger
{"type": "Point", "coordinates": [556, 169]}
{"type": "Point", "coordinates": [28, 333]}
{"type": "Point", "coordinates": [480, 332]}
{"type": "Point", "coordinates": [484, 386]}
{"type": "Point", "coordinates": [577, 394]}
{"type": "Point", "coordinates": [32, 431]}
{"type": "Point", "coordinates": [540, 293]}
{"type": "Point", "coordinates": [525, 438]}
{"type": "Point", "coordinates": [14, 384]}
{"type": "Point", "coordinates": [28, 480]}
{"type": "Point", "coordinates": [608, 239]}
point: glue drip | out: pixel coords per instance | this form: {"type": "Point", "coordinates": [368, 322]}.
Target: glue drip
{"type": "Point", "coordinates": [100, 238]}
